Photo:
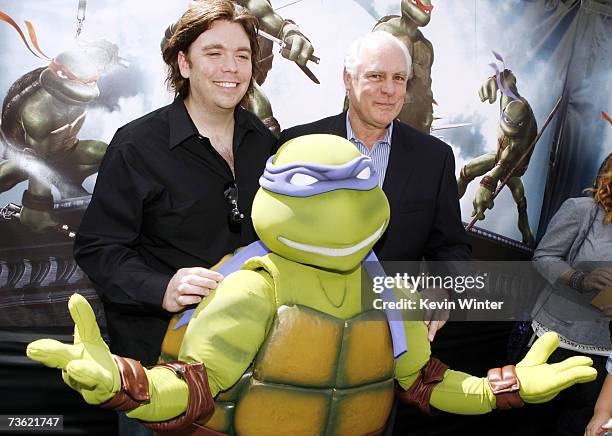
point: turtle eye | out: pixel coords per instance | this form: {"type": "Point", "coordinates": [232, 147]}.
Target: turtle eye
{"type": "Point", "coordinates": [364, 174]}
{"type": "Point", "coordinates": [300, 179]}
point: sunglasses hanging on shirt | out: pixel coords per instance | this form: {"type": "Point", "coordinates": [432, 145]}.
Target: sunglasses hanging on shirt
{"type": "Point", "coordinates": [231, 197]}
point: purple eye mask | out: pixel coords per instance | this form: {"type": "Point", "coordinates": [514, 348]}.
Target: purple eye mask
{"type": "Point", "coordinates": [304, 179]}
{"type": "Point", "coordinates": [510, 121]}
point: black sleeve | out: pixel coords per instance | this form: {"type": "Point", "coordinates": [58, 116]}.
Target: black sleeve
{"type": "Point", "coordinates": [292, 133]}
{"type": "Point", "coordinates": [285, 136]}
{"type": "Point", "coordinates": [107, 242]}
{"type": "Point", "coordinates": [447, 239]}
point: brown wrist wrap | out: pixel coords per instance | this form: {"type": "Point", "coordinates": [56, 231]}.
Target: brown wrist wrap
{"type": "Point", "coordinates": [489, 183]}
{"type": "Point", "coordinates": [37, 202]}
{"type": "Point", "coordinates": [200, 404]}
{"type": "Point", "coordinates": [290, 28]}
{"type": "Point", "coordinates": [504, 165]}
{"type": "Point", "coordinates": [134, 386]}
{"type": "Point", "coordinates": [505, 385]}
{"type": "Point", "coordinates": [419, 393]}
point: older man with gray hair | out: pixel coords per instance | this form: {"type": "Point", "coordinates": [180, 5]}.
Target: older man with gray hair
{"type": "Point", "coordinates": [415, 170]}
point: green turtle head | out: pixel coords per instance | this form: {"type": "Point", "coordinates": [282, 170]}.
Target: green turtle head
{"type": "Point", "coordinates": [333, 229]}
{"type": "Point", "coordinates": [418, 11]}
{"type": "Point", "coordinates": [71, 77]}
{"type": "Point", "coordinates": [513, 117]}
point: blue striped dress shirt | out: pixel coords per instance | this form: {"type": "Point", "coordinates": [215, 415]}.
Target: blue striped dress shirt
{"type": "Point", "coordinates": [379, 153]}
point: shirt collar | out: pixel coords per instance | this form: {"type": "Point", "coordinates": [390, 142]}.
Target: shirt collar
{"type": "Point", "coordinates": [350, 135]}
{"type": "Point", "coordinates": [181, 125]}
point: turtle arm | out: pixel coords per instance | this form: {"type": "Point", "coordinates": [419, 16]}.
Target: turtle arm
{"type": "Point", "coordinates": [463, 393]}
{"type": "Point", "coordinates": [507, 158]}
{"type": "Point", "coordinates": [36, 118]}
{"type": "Point", "coordinates": [225, 333]}
{"type": "Point", "coordinates": [458, 392]}
{"type": "Point", "coordinates": [532, 380]}
{"type": "Point", "coordinates": [269, 21]}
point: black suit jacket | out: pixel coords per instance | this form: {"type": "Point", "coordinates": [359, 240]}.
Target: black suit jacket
{"type": "Point", "coordinates": [422, 191]}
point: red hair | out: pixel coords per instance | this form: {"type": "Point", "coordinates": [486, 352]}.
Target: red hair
{"type": "Point", "coordinates": [603, 188]}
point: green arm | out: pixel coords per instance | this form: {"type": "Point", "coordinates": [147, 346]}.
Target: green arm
{"type": "Point", "coordinates": [509, 154]}
{"type": "Point", "coordinates": [457, 393]}
{"type": "Point", "coordinates": [269, 21]}
{"type": "Point", "coordinates": [225, 334]}
{"type": "Point", "coordinates": [298, 48]}
{"type": "Point", "coordinates": [465, 394]}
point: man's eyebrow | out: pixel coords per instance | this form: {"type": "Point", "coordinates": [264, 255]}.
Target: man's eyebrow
{"type": "Point", "coordinates": [222, 47]}
{"type": "Point", "coordinates": [398, 73]}
{"type": "Point", "coordinates": [212, 47]}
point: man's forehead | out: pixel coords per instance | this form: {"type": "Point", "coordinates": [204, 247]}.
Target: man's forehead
{"type": "Point", "coordinates": [223, 34]}
{"type": "Point", "coordinates": [387, 58]}
{"type": "Point", "coordinates": [382, 67]}
{"type": "Point", "coordinates": [224, 45]}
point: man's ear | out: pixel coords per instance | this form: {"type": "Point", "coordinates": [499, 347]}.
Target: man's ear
{"type": "Point", "coordinates": [184, 64]}
{"type": "Point", "coordinates": [348, 81]}
{"type": "Point", "coordinates": [408, 82]}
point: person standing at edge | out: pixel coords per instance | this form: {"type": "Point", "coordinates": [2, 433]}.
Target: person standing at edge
{"type": "Point", "coordinates": [175, 188]}
{"type": "Point", "coordinates": [415, 170]}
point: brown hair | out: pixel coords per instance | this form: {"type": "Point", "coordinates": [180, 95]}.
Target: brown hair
{"type": "Point", "coordinates": [603, 188]}
{"type": "Point", "coordinates": [198, 18]}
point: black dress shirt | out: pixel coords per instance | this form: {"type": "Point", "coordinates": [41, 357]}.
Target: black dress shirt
{"type": "Point", "coordinates": [158, 206]}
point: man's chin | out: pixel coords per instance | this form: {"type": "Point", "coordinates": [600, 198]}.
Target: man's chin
{"type": "Point", "coordinates": [228, 104]}
{"type": "Point", "coordinates": [385, 115]}
{"type": "Point", "coordinates": [384, 122]}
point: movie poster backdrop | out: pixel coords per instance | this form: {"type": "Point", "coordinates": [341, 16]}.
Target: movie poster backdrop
{"type": "Point", "coordinates": [531, 53]}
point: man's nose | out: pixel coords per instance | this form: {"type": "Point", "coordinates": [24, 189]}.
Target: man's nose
{"type": "Point", "coordinates": [388, 87]}
{"type": "Point", "coordinates": [230, 64]}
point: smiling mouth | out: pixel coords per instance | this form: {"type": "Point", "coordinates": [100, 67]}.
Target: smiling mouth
{"type": "Point", "coordinates": [334, 252]}
{"type": "Point", "coordinates": [226, 84]}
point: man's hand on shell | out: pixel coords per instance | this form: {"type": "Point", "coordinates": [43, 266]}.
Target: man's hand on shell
{"type": "Point", "coordinates": [189, 286]}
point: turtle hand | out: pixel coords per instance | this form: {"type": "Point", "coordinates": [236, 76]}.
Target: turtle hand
{"type": "Point", "coordinates": [541, 381]}
{"type": "Point", "coordinates": [87, 365]}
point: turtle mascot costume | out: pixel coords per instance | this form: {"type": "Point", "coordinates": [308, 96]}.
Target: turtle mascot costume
{"type": "Point", "coordinates": [283, 345]}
